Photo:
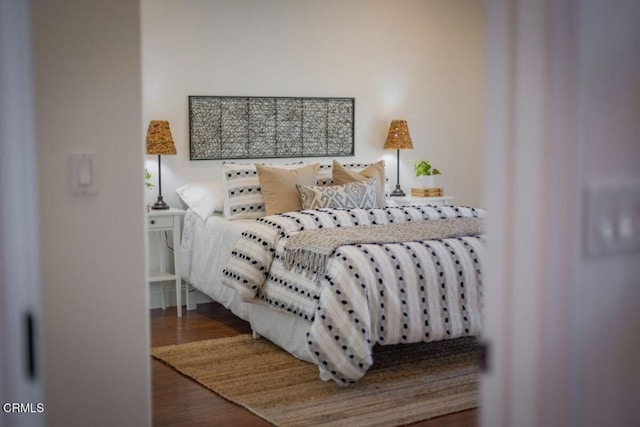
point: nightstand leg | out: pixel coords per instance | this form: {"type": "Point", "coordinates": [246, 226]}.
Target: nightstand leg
{"type": "Point", "coordinates": [161, 266]}
{"type": "Point", "coordinates": [178, 298]}
{"type": "Point", "coordinates": [190, 293]}
{"type": "Point", "coordinates": [177, 265]}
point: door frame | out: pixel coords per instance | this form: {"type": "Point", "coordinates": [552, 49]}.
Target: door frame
{"type": "Point", "coordinates": [531, 164]}
{"type": "Point", "coordinates": [20, 304]}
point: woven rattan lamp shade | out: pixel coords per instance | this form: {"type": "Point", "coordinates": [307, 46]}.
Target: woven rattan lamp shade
{"type": "Point", "coordinates": [398, 137]}
{"type": "Point", "coordinates": [159, 139]}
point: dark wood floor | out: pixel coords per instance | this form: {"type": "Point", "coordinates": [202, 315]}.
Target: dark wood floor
{"type": "Point", "coordinates": [179, 401]}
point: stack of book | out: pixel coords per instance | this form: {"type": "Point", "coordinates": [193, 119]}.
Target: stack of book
{"type": "Point", "coordinates": [427, 192]}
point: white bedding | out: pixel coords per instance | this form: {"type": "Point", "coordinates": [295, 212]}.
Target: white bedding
{"type": "Point", "coordinates": [371, 293]}
{"type": "Point", "coordinates": [205, 249]}
{"type": "Point", "coordinates": [206, 246]}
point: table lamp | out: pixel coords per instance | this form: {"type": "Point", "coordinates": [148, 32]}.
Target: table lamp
{"type": "Point", "coordinates": [398, 139]}
{"type": "Point", "coordinates": [160, 142]}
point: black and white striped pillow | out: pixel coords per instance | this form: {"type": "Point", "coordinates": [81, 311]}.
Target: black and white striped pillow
{"type": "Point", "coordinates": [243, 198]}
{"type": "Point", "coordinates": [325, 172]}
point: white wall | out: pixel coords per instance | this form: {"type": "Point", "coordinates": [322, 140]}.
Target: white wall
{"type": "Point", "coordinates": [96, 328]}
{"type": "Point", "coordinates": [417, 60]}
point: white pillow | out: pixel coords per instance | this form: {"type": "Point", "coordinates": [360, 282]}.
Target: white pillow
{"type": "Point", "coordinates": [204, 198]}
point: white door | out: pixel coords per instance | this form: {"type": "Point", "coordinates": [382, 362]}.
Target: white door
{"type": "Point", "coordinates": [563, 190]}
{"type": "Point", "coordinates": [21, 370]}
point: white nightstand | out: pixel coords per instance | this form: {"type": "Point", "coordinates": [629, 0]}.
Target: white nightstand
{"type": "Point", "coordinates": [168, 220]}
{"type": "Point", "coordinates": [422, 201]}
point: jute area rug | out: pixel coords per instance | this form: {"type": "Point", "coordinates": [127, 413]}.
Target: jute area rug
{"type": "Point", "coordinates": [407, 383]}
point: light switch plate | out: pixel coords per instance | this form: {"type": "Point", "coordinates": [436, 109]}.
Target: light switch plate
{"type": "Point", "coordinates": [83, 173]}
{"type": "Point", "coordinates": [612, 219]}
{"type": "Point", "coordinates": [629, 219]}
{"type": "Point", "coordinates": [601, 214]}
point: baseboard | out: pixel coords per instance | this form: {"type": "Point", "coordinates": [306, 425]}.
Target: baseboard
{"type": "Point", "coordinates": [155, 295]}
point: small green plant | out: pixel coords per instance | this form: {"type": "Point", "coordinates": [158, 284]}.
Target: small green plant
{"type": "Point", "coordinates": [147, 179]}
{"type": "Point", "coordinates": [423, 167]}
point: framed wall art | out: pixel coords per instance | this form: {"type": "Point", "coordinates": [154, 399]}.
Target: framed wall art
{"type": "Point", "coordinates": [235, 127]}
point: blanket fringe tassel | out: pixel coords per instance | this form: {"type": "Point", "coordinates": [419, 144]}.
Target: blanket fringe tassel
{"type": "Point", "coordinates": [310, 264]}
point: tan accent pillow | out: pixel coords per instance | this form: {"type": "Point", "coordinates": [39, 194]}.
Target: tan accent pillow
{"type": "Point", "coordinates": [279, 187]}
{"type": "Point", "coordinates": [342, 175]}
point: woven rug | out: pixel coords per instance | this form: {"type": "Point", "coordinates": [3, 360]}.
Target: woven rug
{"type": "Point", "coordinates": [407, 383]}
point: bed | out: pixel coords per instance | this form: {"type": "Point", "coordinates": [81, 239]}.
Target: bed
{"type": "Point", "coordinates": [420, 282]}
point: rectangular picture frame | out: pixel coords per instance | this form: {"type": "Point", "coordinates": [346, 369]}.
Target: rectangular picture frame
{"type": "Point", "coordinates": [256, 127]}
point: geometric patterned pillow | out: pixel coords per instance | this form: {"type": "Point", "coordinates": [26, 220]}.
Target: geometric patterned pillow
{"type": "Point", "coordinates": [243, 198]}
{"type": "Point", "coordinates": [351, 195]}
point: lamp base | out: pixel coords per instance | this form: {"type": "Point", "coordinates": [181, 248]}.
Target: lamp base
{"type": "Point", "coordinates": [397, 192]}
{"type": "Point", "coordinates": [160, 204]}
